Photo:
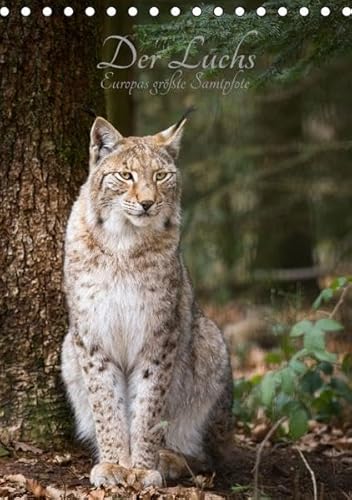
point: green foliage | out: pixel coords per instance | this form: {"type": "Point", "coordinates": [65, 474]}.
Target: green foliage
{"type": "Point", "coordinates": [309, 384]}
{"type": "Point", "coordinates": [292, 45]}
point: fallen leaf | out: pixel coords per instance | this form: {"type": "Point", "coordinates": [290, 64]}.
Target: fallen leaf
{"type": "Point", "coordinates": [34, 487]}
{"type": "Point", "coordinates": [98, 494]}
{"type": "Point", "coordinates": [204, 481]}
{"type": "Point", "coordinates": [30, 461]}
{"type": "Point", "coordinates": [63, 459]}
{"type": "Point", "coordinates": [260, 431]}
{"type": "Point", "coordinates": [6, 491]}
{"type": "Point", "coordinates": [212, 496]}
{"type": "Point", "coordinates": [16, 478]}
{"type": "Point", "coordinates": [55, 494]}
{"type": "Point", "coordinates": [194, 494]}
{"type": "Point", "coordinates": [19, 446]}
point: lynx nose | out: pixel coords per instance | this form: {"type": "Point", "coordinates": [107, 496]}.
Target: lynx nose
{"type": "Point", "coordinates": [146, 204]}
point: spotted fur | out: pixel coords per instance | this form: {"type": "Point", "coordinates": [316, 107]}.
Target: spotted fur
{"type": "Point", "coordinates": [144, 369]}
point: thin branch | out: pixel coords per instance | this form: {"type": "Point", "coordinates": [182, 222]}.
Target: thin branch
{"type": "Point", "coordinates": [340, 301]}
{"type": "Point", "coordinates": [259, 455]}
{"type": "Point", "coordinates": [311, 472]}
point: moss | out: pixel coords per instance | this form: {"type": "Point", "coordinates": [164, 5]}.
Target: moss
{"type": "Point", "coordinates": [49, 423]}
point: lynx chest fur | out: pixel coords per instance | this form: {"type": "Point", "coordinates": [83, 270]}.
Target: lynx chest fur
{"type": "Point", "coordinates": [139, 351]}
{"type": "Point", "coordinates": [119, 303]}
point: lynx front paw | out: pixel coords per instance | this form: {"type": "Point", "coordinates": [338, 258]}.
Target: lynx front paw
{"type": "Point", "coordinates": [149, 478]}
{"type": "Point", "coordinates": [107, 474]}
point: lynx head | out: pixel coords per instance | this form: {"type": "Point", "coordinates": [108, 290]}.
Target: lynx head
{"type": "Point", "coordinates": [134, 179]}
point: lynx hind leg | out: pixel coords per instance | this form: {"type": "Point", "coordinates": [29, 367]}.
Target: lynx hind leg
{"type": "Point", "coordinates": [172, 465]}
{"type": "Point", "coordinates": [219, 436]}
{"type": "Point", "coordinates": [77, 392]}
{"type": "Point", "coordinates": [202, 428]}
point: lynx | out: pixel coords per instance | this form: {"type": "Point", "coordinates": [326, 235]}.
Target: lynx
{"type": "Point", "coordinates": [147, 374]}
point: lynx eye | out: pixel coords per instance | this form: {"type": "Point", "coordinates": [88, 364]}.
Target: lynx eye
{"type": "Point", "coordinates": [125, 175]}
{"type": "Point", "coordinates": [160, 176]}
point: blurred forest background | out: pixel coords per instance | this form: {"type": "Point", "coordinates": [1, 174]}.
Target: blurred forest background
{"type": "Point", "coordinates": [266, 171]}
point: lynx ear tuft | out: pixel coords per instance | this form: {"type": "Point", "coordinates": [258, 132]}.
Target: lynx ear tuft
{"type": "Point", "coordinates": [104, 139]}
{"type": "Point", "coordinates": [170, 138]}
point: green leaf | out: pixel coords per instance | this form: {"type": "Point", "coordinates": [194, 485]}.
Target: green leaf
{"type": "Point", "coordinates": [302, 353]}
{"type": "Point", "coordinates": [330, 357]}
{"type": "Point", "coordinates": [311, 382]}
{"type": "Point", "coordinates": [287, 380]}
{"type": "Point", "coordinates": [338, 283]}
{"type": "Point", "coordinates": [281, 402]}
{"type": "Point", "coordinates": [274, 357]}
{"type": "Point", "coordinates": [341, 388]}
{"type": "Point", "coordinates": [297, 366]}
{"type": "Point", "coordinates": [326, 405]}
{"type": "Point", "coordinates": [324, 296]}
{"type": "Point", "coordinates": [268, 386]}
{"type": "Point", "coordinates": [300, 328]}
{"type": "Point", "coordinates": [325, 367]}
{"type": "Point", "coordinates": [298, 423]}
{"type": "Point", "coordinates": [329, 325]}
{"type": "Point", "coordinates": [241, 387]}
{"type": "Point", "coordinates": [314, 340]}
{"type": "Point", "coordinates": [256, 379]}
{"type": "Point", "coordinates": [291, 407]}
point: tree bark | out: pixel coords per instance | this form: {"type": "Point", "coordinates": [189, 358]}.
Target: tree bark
{"type": "Point", "coordinates": [48, 72]}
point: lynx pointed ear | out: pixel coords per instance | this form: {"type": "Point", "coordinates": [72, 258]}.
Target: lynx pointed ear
{"type": "Point", "coordinates": [104, 139]}
{"type": "Point", "coordinates": [170, 138]}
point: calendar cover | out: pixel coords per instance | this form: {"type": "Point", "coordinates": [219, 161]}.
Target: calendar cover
{"type": "Point", "coordinates": [176, 235]}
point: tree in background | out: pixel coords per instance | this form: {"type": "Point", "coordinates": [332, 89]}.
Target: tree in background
{"type": "Point", "coordinates": [120, 105]}
{"type": "Point", "coordinates": [48, 73]}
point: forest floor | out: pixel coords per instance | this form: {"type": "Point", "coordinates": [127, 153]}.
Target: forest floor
{"type": "Point", "coordinates": [29, 472]}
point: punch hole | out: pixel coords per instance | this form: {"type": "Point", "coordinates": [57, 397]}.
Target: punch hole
{"type": "Point", "coordinates": [68, 11]}
{"type": "Point", "coordinates": [25, 11]}
{"type": "Point", "coordinates": [282, 11]}
{"type": "Point", "coordinates": [304, 11]}
{"type": "Point", "coordinates": [325, 11]}
{"type": "Point", "coordinates": [154, 11]}
{"type": "Point", "coordinates": [218, 11]}
{"type": "Point", "coordinates": [47, 11]}
{"type": "Point", "coordinates": [261, 11]}
{"type": "Point", "coordinates": [4, 11]}
{"type": "Point", "coordinates": [346, 11]}
{"type": "Point", "coordinates": [239, 11]}
{"type": "Point", "coordinates": [196, 11]}
{"type": "Point", "coordinates": [111, 11]}
{"type": "Point", "coordinates": [132, 11]}
{"type": "Point", "coordinates": [90, 11]}
{"type": "Point", "coordinates": [175, 11]}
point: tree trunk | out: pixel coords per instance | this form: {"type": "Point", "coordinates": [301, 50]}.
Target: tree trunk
{"type": "Point", "coordinates": [284, 228]}
{"type": "Point", "coordinates": [48, 72]}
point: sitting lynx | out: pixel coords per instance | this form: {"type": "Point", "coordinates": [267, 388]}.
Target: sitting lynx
{"type": "Point", "coordinates": [147, 373]}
